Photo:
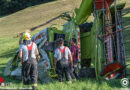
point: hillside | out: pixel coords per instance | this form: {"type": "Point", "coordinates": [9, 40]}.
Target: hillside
{"type": "Point", "coordinates": [34, 16]}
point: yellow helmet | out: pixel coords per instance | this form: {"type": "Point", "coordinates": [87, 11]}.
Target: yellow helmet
{"type": "Point", "coordinates": [26, 36]}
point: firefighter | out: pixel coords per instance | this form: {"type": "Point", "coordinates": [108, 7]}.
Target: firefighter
{"type": "Point", "coordinates": [29, 53]}
{"type": "Point", "coordinates": [61, 61]}
{"type": "Point", "coordinates": [74, 51]}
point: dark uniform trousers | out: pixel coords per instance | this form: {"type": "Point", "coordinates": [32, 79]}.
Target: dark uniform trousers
{"type": "Point", "coordinates": [74, 71]}
{"type": "Point", "coordinates": [63, 67]}
{"type": "Point", "coordinates": [29, 71]}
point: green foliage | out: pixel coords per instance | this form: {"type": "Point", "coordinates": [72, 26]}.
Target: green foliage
{"type": "Point", "coordinates": [11, 6]}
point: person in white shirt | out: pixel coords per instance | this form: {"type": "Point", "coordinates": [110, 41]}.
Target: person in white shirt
{"type": "Point", "coordinates": [29, 53]}
{"type": "Point", "coordinates": [62, 60]}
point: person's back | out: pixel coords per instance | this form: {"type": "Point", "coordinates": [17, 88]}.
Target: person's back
{"type": "Point", "coordinates": [59, 51]}
{"type": "Point", "coordinates": [25, 51]}
{"type": "Point", "coordinates": [61, 61]}
{"type": "Point", "coordinates": [29, 53]}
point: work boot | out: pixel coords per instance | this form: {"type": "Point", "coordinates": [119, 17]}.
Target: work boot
{"type": "Point", "coordinates": [34, 86]}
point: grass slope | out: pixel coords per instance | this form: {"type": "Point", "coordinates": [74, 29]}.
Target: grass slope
{"type": "Point", "coordinates": [36, 15]}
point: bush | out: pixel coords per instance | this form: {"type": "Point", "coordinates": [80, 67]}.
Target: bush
{"type": "Point", "coordinates": [11, 6]}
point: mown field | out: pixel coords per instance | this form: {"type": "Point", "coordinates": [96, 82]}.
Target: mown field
{"type": "Point", "coordinates": [12, 24]}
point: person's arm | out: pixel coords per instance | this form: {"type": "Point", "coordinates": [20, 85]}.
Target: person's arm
{"type": "Point", "coordinates": [37, 54]}
{"type": "Point", "coordinates": [20, 54]}
{"type": "Point", "coordinates": [70, 57]}
{"type": "Point", "coordinates": [72, 51]}
{"type": "Point", "coordinates": [71, 61]}
{"type": "Point", "coordinates": [55, 58]}
{"type": "Point", "coordinates": [55, 61]}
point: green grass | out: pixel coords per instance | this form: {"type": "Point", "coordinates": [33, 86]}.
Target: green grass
{"type": "Point", "coordinates": [33, 16]}
{"type": "Point", "coordinates": [127, 45]}
{"type": "Point", "coordinates": [82, 84]}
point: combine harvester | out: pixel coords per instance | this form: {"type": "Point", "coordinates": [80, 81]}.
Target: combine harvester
{"type": "Point", "coordinates": [101, 43]}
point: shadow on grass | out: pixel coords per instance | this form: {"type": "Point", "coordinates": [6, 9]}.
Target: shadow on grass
{"type": "Point", "coordinates": [18, 7]}
{"type": "Point", "coordinates": [8, 53]}
{"type": "Point", "coordinates": [3, 64]}
{"type": "Point", "coordinates": [126, 25]}
{"type": "Point", "coordinates": [126, 32]}
{"type": "Point", "coordinates": [126, 11]}
{"type": "Point", "coordinates": [116, 83]}
{"type": "Point", "coordinates": [1, 16]}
